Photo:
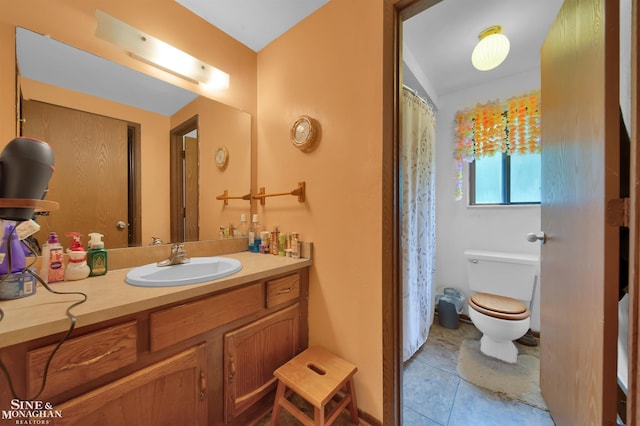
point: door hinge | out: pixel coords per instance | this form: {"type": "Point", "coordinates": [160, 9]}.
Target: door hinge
{"type": "Point", "coordinates": [618, 212]}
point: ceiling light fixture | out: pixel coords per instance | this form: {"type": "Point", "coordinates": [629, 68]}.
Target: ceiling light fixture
{"type": "Point", "coordinates": [156, 52]}
{"type": "Point", "coordinates": [491, 50]}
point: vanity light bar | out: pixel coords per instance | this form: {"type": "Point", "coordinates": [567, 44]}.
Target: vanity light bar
{"type": "Point", "coordinates": [153, 51]}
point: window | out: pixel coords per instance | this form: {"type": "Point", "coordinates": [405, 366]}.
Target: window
{"type": "Point", "coordinates": [501, 142]}
{"type": "Point", "coordinates": [505, 179]}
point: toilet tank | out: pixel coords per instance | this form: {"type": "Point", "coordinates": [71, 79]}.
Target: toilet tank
{"type": "Point", "coordinates": [505, 274]}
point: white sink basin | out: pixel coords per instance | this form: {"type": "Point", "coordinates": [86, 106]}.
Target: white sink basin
{"type": "Point", "coordinates": [198, 270]}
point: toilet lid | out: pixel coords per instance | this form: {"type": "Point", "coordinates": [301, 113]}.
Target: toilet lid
{"type": "Point", "coordinates": [499, 306]}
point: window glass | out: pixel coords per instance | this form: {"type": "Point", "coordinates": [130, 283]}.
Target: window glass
{"type": "Point", "coordinates": [525, 178]}
{"type": "Point", "coordinates": [488, 180]}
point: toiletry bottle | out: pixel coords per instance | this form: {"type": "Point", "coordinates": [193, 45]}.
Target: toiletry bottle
{"type": "Point", "coordinates": [11, 242]}
{"type": "Point", "coordinates": [44, 261]}
{"type": "Point", "coordinates": [56, 257]}
{"type": "Point", "coordinates": [254, 235]}
{"type": "Point", "coordinates": [265, 236]}
{"type": "Point", "coordinates": [97, 255]}
{"type": "Point", "coordinates": [282, 243]}
{"type": "Point", "coordinates": [295, 252]}
{"type": "Point", "coordinates": [243, 229]}
{"type": "Point", "coordinates": [77, 268]}
{"type": "Point", "coordinates": [275, 240]}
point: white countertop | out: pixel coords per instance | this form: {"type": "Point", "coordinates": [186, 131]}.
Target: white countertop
{"type": "Point", "coordinates": [110, 297]}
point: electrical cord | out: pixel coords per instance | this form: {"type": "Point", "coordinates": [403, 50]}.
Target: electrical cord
{"type": "Point", "coordinates": [71, 316]}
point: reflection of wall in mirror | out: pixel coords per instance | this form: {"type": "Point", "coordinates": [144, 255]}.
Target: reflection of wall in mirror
{"type": "Point", "coordinates": [74, 24]}
{"type": "Point", "coordinates": [219, 125]}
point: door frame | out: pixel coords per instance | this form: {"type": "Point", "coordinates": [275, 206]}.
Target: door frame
{"type": "Point", "coordinates": [176, 190]}
{"type": "Point", "coordinates": [135, 187]}
{"type": "Point", "coordinates": [633, 337]}
{"type": "Point", "coordinates": [395, 12]}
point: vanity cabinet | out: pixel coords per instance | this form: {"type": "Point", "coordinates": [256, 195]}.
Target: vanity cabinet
{"type": "Point", "coordinates": [272, 340]}
{"type": "Point", "coordinates": [208, 360]}
{"type": "Point", "coordinates": [169, 392]}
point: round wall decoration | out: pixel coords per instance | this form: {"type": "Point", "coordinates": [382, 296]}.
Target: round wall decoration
{"type": "Point", "coordinates": [222, 157]}
{"type": "Point", "coordinates": [304, 132]}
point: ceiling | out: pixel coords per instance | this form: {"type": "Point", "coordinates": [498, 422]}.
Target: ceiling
{"type": "Point", "coordinates": [437, 43]}
{"type": "Point", "coordinates": [437, 46]}
{"type": "Point", "coordinates": [255, 23]}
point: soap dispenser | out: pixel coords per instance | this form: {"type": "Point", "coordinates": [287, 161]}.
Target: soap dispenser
{"type": "Point", "coordinates": [55, 256]}
{"type": "Point", "coordinates": [77, 268]}
{"type": "Point", "coordinates": [97, 255]}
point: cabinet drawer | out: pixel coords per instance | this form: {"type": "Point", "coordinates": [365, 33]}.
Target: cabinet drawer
{"type": "Point", "coordinates": [283, 290]}
{"type": "Point", "coordinates": [82, 359]}
{"type": "Point", "coordinates": [182, 322]}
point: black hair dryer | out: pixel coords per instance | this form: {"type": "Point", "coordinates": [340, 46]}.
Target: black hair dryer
{"type": "Point", "coordinates": [26, 165]}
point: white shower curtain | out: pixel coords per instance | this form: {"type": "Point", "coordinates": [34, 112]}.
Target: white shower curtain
{"type": "Point", "coordinates": [418, 231]}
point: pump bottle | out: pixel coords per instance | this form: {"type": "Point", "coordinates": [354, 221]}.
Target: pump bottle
{"type": "Point", "coordinates": [56, 257]}
{"type": "Point", "coordinates": [97, 255]}
{"type": "Point", "coordinates": [77, 268]}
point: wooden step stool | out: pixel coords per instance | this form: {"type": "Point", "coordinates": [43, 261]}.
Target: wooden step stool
{"type": "Point", "coordinates": [318, 376]}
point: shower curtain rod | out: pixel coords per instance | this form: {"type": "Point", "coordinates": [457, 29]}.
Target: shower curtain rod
{"type": "Point", "coordinates": [415, 93]}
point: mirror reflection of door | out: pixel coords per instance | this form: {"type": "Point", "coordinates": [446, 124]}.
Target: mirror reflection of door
{"type": "Point", "coordinates": [184, 182]}
{"type": "Point", "coordinates": [91, 151]}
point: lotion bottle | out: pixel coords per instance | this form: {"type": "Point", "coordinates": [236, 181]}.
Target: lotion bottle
{"type": "Point", "coordinates": [77, 268]}
{"type": "Point", "coordinates": [56, 257]}
{"type": "Point", "coordinates": [275, 240]}
{"type": "Point", "coordinates": [97, 255]}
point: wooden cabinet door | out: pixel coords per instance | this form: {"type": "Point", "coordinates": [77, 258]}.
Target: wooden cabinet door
{"type": "Point", "coordinates": [251, 355]}
{"type": "Point", "coordinates": [170, 392]}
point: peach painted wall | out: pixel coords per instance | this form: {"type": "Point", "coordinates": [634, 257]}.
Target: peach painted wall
{"type": "Point", "coordinates": [220, 125]}
{"type": "Point", "coordinates": [329, 67]}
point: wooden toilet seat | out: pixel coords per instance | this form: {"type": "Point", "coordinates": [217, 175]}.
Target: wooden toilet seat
{"type": "Point", "coordinates": [499, 306]}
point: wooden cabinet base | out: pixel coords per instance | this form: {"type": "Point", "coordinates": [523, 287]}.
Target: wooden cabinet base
{"type": "Point", "coordinates": [201, 361]}
{"type": "Point", "coordinates": [170, 392]}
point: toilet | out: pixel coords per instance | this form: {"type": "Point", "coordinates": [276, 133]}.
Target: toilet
{"type": "Point", "coordinates": [502, 286]}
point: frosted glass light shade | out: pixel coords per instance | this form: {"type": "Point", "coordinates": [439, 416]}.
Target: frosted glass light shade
{"type": "Point", "coordinates": [151, 50]}
{"type": "Point", "coordinates": [491, 50]}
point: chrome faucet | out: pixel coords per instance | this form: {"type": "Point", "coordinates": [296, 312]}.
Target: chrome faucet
{"type": "Point", "coordinates": [178, 256]}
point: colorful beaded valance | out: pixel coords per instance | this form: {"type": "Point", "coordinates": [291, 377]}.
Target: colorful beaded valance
{"type": "Point", "coordinates": [497, 126]}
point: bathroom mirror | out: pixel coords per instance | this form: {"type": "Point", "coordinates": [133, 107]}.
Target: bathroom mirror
{"type": "Point", "coordinates": [146, 113]}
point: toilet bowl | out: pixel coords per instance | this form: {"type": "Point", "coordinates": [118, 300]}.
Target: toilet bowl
{"type": "Point", "coordinates": [501, 320]}
{"type": "Point", "coordinates": [503, 286]}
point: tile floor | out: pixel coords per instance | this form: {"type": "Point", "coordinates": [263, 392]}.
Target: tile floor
{"type": "Point", "coordinates": [434, 394]}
